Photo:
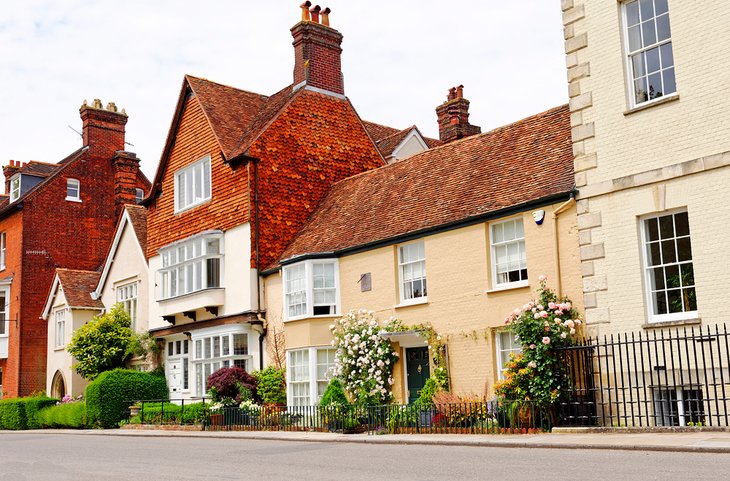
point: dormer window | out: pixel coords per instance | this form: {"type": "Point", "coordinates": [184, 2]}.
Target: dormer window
{"type": "Point", "coordinates": [138, 195]}
{"type": "Point", "coordinates": [14, 187]}
{"type": "Point", "coordinates": [73, 190]}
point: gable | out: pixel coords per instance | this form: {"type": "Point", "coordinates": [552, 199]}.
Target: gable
{"type": "Point", "coordinates": [228, 207]}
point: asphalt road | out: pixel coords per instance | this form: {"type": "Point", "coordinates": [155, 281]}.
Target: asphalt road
{"type": "Point", "coordinates": [60, 457]}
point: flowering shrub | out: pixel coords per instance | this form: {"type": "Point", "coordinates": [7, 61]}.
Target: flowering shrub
{"type": "Point", "coordinates": [364, 360]}
{"type": "Point", "coordinates": [249, 407]}
{"type": "Point", "coordinates": [69, 399]}
{"type": "Point", "coordinates": [541, 325]}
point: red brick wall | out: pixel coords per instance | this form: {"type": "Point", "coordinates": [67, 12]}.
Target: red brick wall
{"type": "Point", "coordinates": [229, 198]}
{"type": "Point", "coordinates": [320, 46]}
{"type": "Point", "coordinates": [13, 228]}
{"type": "Point", "coordinates": [316, 142]}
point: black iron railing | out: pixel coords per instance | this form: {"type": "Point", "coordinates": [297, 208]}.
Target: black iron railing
{"type": "Point", "coordinates": [169, 411]}
{"type": "Point", "coordinates": [675, 377]}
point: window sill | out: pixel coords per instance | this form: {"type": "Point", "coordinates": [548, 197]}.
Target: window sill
{"type": "Point", "coordinates": [192, 206]}
{"type": "Point", "coordinates": [508, 287]}
{"type": "Point", "coordinates": [307, 316]}
{"type": "Point", "coordinates": [691, 321]}
{"type": "Point", "coordinates": [73, 199]}
{"type": "Point", "coordinates": [59, 348]}
{"type": "Point", "coordinates": [413, 302]}
{"type": "Point", "coordinates": [652, 103]}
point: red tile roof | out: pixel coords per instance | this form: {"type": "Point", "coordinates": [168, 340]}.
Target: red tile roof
{"type": "Point", "coordinates": [388, 138]}
{"type": "Point", "coordinates": [474, 177]}
{"type": "Point", "coordinates": [39, 169]}
{"type": "Point", "coordinates": [77, 287]}
{"type": "Point", "coordinates": [138, 216]}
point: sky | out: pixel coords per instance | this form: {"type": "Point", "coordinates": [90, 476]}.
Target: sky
{"type": "Point", "coordinates": [399, 59]}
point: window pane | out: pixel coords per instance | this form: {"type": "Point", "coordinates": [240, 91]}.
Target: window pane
{"type": "Point", "coordinates": [666, 227]}
{"type": "Point", "coordinates": [652, 229]}
{"type": "Point", "coordinates": [672, 276]}
{"type": "Point", "coordinates": [684, 249]}
{"type": "Point", "coordinates": [687, 277]}
{"type": "Point", "coordinates": [652, 60]}
{"type": "Point", "coordinates": [668, 253]}
{"type": "Point", "coordinates": [634, 38]}
{"type": "Point", "coordinates": [206, 179]}
{"type": "Point", "coordinates": [226, 347]}
{"type": "Point", "coordinates": [240, 344]}
{"type": "Point", "coordinates": [647, 8]}
{"type": "Point", "coordinates": [666, 55]}
{"type": "Point", "coordinates": [638, 63]}
{"type": "Point", "coordinates": [497, 233]}
{"type": "Point", "coordinates": [632, 13]}
{"type": "Point", "coordinates": [648, 33]}
{"type": "Point", "coordinates": [641, 90]}
{"type": "Point", "coordinates": [674, 297]}
{"type": "Point", "coordinates": [670, 85]}
{"type": "Point", "coordinates": [661, 6]}
{"type": "Point", "coordinates": [662, 25]}
{"type": "Point", "coordinates": [658, 278]}
{"type": "Point", "coordinates": [216, 346]}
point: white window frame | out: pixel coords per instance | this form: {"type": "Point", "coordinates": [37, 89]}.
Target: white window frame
{"type": "Point", "coordinates": [651, 315]}
{"type": "Point", "coordinates": [59, 327]}
{"type": "Point", "coordinates": [666, 409]}
{"type": "Point", "coordinates": [628, 53]}
{"type": "Point", "coordinates": [5, 311]}
{"type": "Point", "coordinates": [309, 288]}
{"type": "Point", "coordinates": [15, 184]}
{"type": "Point", "coordinates": [205, 359]}
{"type": "Point", "coordinates": [314, 382]}
{"type": "Point", "coordinates": [522, 253]}
{"type": "Point", "coordinates": [127, 297]}
{"type": "Point", "coordinates": [138, 195]}
{"type": "Point", "coordinates": [3, 246]}
{"type": "Point", "coordinates": [401, 278]}
{"type": "Point", "coordinates": [71, 185]}
{"type": "Point", "coordinates": [174, 274]}
{"type": "Point", "coordinates": [503, 352]}
{"type": "Point", "coordinates": [188, 193]}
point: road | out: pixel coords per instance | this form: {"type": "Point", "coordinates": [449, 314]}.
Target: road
{"type": "Point", "coordinates": [41, 456]}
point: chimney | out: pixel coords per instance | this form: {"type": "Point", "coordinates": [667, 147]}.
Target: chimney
{"type": "Point", "coordinates": [125, 166]}
{"type": "Point", "coordinates": [103, 128]}
{"type": "Point", "coordinates": [317, 51]}
{"type": "Point", "coordinates": [9, 171]}
{"type": "Point", "coordinates": [453, 117]}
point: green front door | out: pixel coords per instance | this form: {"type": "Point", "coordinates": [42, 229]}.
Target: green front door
{"type": "Point", "coordinates": [417, 369]}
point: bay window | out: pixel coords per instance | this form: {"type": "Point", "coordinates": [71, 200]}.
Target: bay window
{"type": "Point", "coordinates": [191, 265]}
{"type": "Point", "coordinates": [311, 289]}
{"type": "Point", "coordinates": [213, 352]}
{"type": "Point", "coordinates": [308, 372]}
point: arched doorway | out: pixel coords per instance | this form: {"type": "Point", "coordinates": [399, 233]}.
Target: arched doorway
{"type": "Point", "coordinates": [58, 386]}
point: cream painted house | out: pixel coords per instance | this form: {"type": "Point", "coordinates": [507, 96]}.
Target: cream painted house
{"type": "Point", "coordinates": [77, 296]}
{"type": "Point", "coordinates": [454, 237]}
{"type": "Point", "coordinates": [649, 109]}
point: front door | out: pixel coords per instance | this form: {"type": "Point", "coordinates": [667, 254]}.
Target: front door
{"type": "Point", "coordinates": [174, 378]}
{"type": "Point", "coordinates": [417, 370]}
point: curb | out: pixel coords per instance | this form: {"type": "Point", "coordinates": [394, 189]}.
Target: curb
{"type": "Point", "coordinates": [391, 441]}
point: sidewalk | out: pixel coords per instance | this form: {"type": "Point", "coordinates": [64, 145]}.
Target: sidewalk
{"type": "Point", "coordinates": [699, 441]}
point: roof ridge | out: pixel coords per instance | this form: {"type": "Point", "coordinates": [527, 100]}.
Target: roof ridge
{"type": "Point", "coordinates": [226, 85]}
{"type": "Point", "coordinates": [400, 132]}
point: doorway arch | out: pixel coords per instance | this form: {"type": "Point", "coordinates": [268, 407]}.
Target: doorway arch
{"type": "Point", "coordinates": [58, 386]}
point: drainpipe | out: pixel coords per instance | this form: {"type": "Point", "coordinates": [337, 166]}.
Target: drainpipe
{"type": "Point", "coordinates": [556, 251]}
{"type": "Point", "coordinates": [262, 335]}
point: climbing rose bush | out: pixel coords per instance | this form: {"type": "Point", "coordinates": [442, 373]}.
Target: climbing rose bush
{"type": "Point", "coordinates": [541, 326]}
{"type": "Point", "coordinates": [364, 360]}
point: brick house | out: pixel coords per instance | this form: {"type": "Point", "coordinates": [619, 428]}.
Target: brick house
{"type": "Point", "coordinates": [57, 216]}
{"type": "Point", "coordinates": [239, 175]}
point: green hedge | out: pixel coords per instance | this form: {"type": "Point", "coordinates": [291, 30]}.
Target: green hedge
{"type": "Point", "coordinates": [168, 413]}
{"type": "Point", "coordinates": [21, 413]}
{"type": "Point", "coordinates": [69, 415]}
{"type": "Point", "coordinates": [108, 396]}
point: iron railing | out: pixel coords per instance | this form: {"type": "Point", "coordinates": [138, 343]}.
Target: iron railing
{"type": "Point", "coordinates": [673, 377]}
{"type": "Point", "coordinates": [169, 411]}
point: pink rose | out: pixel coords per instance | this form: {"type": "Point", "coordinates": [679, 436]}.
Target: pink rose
{"type": "Point", "coordinates": [546, 340]}
{"type": "Point", "coordinates": [551, 305]}
{"type": "Point", "coordinates": [543, 314]}
{"type": "Point", "coordinates": [532, 364]}
{"type": "Point", "coordinates": [516, 312]}
{"type": "Point", "coordinates": [532, 346]}
{"type": "Point", "coordinates": [542, 278]}
{"type": "Point", "coordinates": [572, 331]}
{"type": "Point", "coordinates": [563, 335]}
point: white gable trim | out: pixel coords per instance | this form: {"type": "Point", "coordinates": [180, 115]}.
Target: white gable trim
{"type": "Point", "coordinates": [51, 297]}
{"type": "Point", "coordinates": [125, 221]}
{"type": "Point", "coordinates": [413, 133]}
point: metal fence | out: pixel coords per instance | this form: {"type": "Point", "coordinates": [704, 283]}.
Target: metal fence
{"type": "Point", "coordinates": [169, 411]}
{"type": "Point", "coordinates": [673, 377]}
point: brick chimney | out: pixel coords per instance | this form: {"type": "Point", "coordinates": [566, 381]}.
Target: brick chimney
{"type": "Point", "coordinates": [317, 51]}
{"type": "Point", "coordinates": [9, 171]}
{"type": "Point", "coordinates": [125, 166]}
{"type": "Point", "coordinates": [103, 128]}
{"type": "Point", "coordinates": [453, 117]}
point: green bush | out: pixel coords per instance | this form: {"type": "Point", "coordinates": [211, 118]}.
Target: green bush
{"type": "Point", "coordinates": [169, 413]}
{"type": "Point", "coordinates": [334, 394]}
{"type": "Point", "coordinates": [430, 388]}
{"type": "Point", "coordinates": [108, 396]}
{"type": "Point", "coordinates": [33, 406]}
{"type": "Point", "coordinates": [69, 415]}
{"type": "Point", "coordinates": [12, 414]}
{"type": "Point", "coordinates": [271, 385]}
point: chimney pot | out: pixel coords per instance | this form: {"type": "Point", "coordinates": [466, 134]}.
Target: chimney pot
{"type": "Point", "coordinates": [452, 94]}
{"type": "Point", "coordinates": [460, 92]}
{"type": "Point", "coordinates": [453, 117]}
{"type": "Point", "coordinates": [305, 10]}
{"type": "Point", "coordinates": [315, 13]}
{"type": "Point", "coordinates": [326, 17]}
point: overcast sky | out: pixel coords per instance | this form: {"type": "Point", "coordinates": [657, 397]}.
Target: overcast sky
{"type": "Point", "coordinates": [399, 59]}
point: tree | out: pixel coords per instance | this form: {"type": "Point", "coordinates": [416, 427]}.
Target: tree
{"type": "Point", "coordinates": [103, 343]}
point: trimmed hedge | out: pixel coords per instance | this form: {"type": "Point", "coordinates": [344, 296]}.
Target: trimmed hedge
{"type": "Point", "coordinates": [169, 413]}
{"type": "Point", "coordinates": [108, 396]}
{"type": "Point", "coordinates": [21, 413]}
{"type": "Point", "coordinates": [69, 415]}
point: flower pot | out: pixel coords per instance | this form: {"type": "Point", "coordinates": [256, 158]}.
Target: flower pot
{"type": "Point", "coordinates": [217, 420]}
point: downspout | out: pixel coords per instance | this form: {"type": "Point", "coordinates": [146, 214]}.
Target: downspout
{"type": "Point", "coordinates": [556, 251]}
{"type": "Point", "coordinates": [262, 335]}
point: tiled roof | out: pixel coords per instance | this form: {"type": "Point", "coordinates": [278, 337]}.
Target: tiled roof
{"type": "Point", "coordinates": [138, 216]}
{"type": "Point", "coordinates": [229, 110]}
{"type": "Point", "coordinates": [388, 138]}
{"type": "Point", "coordinates": [522, 162]}
{"type": "Point", "coordinates": [77, 287]}
{"type": "Point", "coordinates": [39, 169]}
